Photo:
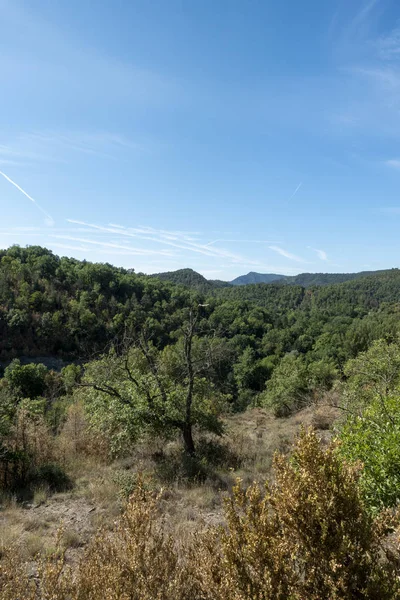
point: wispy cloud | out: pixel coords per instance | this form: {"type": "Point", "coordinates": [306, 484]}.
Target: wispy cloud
{"type": "Point", "coordinates": [10, 163]}
{"type": "Point", "coordinates": [60, 146]}
{"type": "Point", "coordinates": [107, 245]}
{"type": "Point", "coordinates": [286, 254]}
{"type": "Point", "coordinates": [368, 67]}
{"type": "Point", "coordinates": [364, 13]}
{"type": "Point", "coordinates": [71, 247]}
{"type": "Point", "coordinates": [48, 218]}
{"type": "Point", "coordinates": [394, 163]}
{"type": "Point", "coordinates": [240, 241]}
{"type": "Point", "coordinates": [388, 46]}
{"type": "Point", "coordinates": [296, 190]}
{"type": "Point", "coordinates": [386, 77]}
{"type": "Point", "coordinates": [169, 238]}
{"type": "Point", "coordinates": [391, 210]}
{"type": "Point", "coordinates": [321, 253]}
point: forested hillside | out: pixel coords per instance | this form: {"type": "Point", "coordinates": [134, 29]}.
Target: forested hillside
{"type": "Point", "coordinates": [52, 305]}
{"type": "Point", "coordinates": [191, 279]}
{"type": "Point", "coordinates": [75, 309]}
{"type": "Point", "coordinates": [310, 279]}
{"type": "Point", "coordinates": [253, 277]}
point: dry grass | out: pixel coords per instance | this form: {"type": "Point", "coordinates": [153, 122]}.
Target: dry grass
{"type": "Point", "coordinates": [35, 523]}
{"type": "Point", "coordinates": [41, 495]}
{"type": "Point", "coordinates": [101, 489]}
{"type": "Point", "coordinates": [308, 535]}
{"type": "Point", "coordinates": [72, 539]}
{"type": "Point", "coordinates": [8, 502]}
{"type": "Point", "coordinates": [32, 545]}
{"type": "Point", "coordinates": [10, 534]}
{"type": "Point", "coordinates": [246, 450]}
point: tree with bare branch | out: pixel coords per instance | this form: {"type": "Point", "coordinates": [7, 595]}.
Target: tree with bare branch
{"type": "Point", "coordinates": [137, 387]}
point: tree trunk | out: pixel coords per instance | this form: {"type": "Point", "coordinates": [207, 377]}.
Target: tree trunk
{"type": "Point", "coordinates": [187, 426]}
{"type": "Point", "coordinates": [188, 439]}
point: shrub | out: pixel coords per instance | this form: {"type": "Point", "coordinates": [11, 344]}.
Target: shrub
{"type": "Point", "coordinates": [287, 390]}
{"type": "Point", "coordinates": [139, 562]}
{"type": "Point", "coordinates": [371, 431]}
{"type": "Point", "coordinates": [77, 440]}
{"type": "Point", "coordinates": [28, 456]}
{"type": "Point", "coordinates": [28, 381]}
{"type": "Point", "coordinates": [372, 438]}
{"type": "Point", "coordinates": [126, 482]}
{"type": "Point", "coordinates": [308, 536]}
{"type": "Point", "coordinates": [27, 446]}
{"type": "Point", "coordinates": [14, 582]}
{"type": "Point", "coordinates": [323, 517]}
{"type": "Point", "coordinates": [53, 476]}
{"type": "Point", "coordinates": [373, 373]}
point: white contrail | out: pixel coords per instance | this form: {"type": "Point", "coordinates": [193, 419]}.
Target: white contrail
{"type": "Point", "coordinates": [49, 219]}
{"type": "Point", "coordinates": [285, 253]}
{"type": "Point", "coordinates": [321, 253]}
{"type": "Point", "coordinates": [296, 190]}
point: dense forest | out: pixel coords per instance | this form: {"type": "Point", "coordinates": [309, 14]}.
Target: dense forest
{"type": "Point", "coordinates": [51, 306]}
{"type": "Point", "coordinates": [97, 360]}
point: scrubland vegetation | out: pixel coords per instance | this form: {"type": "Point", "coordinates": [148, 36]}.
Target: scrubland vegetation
{"type": "Point", "coordinates": [158, 442]}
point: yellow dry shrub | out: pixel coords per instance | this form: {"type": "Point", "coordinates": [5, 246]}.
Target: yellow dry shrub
{"type": "Point", "coordinates": [247, 558]}
{"type": "Point", "coordinates": [139, 562]}
{"type": "Point", "coordinates": [308, 536]}
{"type": "Point", "coordinates": [14, 583]}
{"type": "Point", "coordinates": [51, 580]}
{"type": "Point", "coordinates": [28, 446]}
{"type": "Point", "coordinates": [32, 435]}
{"type": "Point", "coordinates": [76, 440]}
{"type": "Point", "coordinates": [335, 540]}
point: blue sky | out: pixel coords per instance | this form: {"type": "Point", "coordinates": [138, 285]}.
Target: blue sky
{"type": "Point", "coordinates": [224, 135]}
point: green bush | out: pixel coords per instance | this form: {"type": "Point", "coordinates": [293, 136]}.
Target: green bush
{"type": "Point", "coordinates": [287, 390]}
{"type": "Point", "coordinates": [126, 482]}
{"type": "Point", "coordinates": [53, 476]}
{"type": "Point", "coordinates": [28, 381]}
{"type": "Point", "coordinates": [371, 432]}
{"type": "Point", "coordinates": [373, 438]}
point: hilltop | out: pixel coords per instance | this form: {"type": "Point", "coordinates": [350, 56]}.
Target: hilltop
{"type": "Point", "coordinates": [190, 278]}
{"type": "Point", "coordinates": [253, 277]}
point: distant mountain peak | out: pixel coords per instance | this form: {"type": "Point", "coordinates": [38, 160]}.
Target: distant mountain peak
{"type": "Point", "coordinates": [254, 277]}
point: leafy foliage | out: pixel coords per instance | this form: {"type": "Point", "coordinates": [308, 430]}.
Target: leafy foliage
{"type": "Point", "coordinates": [288, 388]}
{"type": "Point", "coordinates": [373, 439]}
{"type": "Point", "coordinates": [27, 381]}
{"type": "Point", "coordinates": [371, 432]}
{"type": "Point", "coordinates": [191, 279]}
{"type": "Point", "coordinates": [145, 390]}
